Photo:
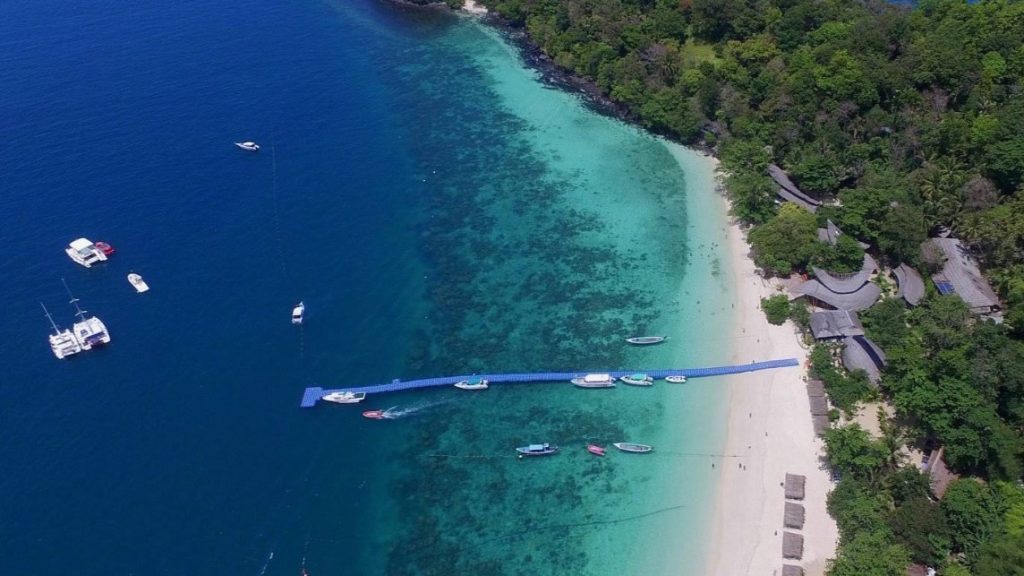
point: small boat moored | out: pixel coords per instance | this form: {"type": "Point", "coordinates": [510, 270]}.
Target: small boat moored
{"type": "Point", "coordinates": [344, 397]}
{"type": "Point", "coordinates": [85, 252]}
{"type": "Point", "coordinates": [298, 312]}
{"type": "Point", "coordinates": [248, 146]}
{"type": "Point", "coordinates": [646, 340]}
{"type": "Point", "coordinates": [675, 379]}
{"type": "Point", "coordinates": [472, 384]}
{"type": "Point", "coordinates": [107, 249]}
{"type": "Point", "coordinates": [595, 449]}
{"type": "Point", "coordinates": [631, 447]}
{"type": "Point", "coordinates": [594, 381]}
{"type": "Point", "coordinates": [139, 284]}
{"type": "Point", "coordinates": [537, 450]}
{"type": "Point", "coordinates": [637, 380]}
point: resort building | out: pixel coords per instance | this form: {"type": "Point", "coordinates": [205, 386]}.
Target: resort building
{"type": "Point", "coordinates": [859, 353]}
{"type": "Point", "coordinates": [960, 275]}
{"type": "Point", "coordinates": [909, 284]}
{"type": "Point", "coordinates": [831, 233]}
{"type": "Point", "coordinates": [842, 291]}
{"type": "Point", "coordinates": [829, 325]}
{"type": "Point", "coordinates": [789, 192]}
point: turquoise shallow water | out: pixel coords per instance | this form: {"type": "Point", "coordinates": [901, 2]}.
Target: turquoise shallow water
{"type": "Point", "coordinates": [438, 210]}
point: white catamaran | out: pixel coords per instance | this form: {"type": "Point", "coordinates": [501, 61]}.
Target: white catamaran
{"type": "Point", "coordinates": [62, 342]}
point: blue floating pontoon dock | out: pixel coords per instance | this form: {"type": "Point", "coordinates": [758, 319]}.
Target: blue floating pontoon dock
{"type": "Point", "coordinates": [315, 393]}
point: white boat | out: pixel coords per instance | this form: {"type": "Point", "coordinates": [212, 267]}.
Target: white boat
{"type": "Point", "coordinates": [631, 447]}
{"type": "Point", "coordinates": [344, 397]}
{"type": "Point", "coordinates": [62, 342]}
{"type": "Point", "coordinates": [297, 313]}
{"type": "Point", "coordinates": [595, 381]}
{"type": "Point", "coordinates": [248, 145]}
{"type": "Point", "coordinates": [139, 284]}
{"type": "Point", "coordinates": [646, 340]}
{"type": "Point", "coordinates": [637, 380]}
{"type": "Point", "coordinates": [472, 384]}
{"type": "Point", "coordinates": [90, 331]}
{"type": "Point", "coordinates": [675, 379]}
{"type": "Point", "coordinates": [85, 252]}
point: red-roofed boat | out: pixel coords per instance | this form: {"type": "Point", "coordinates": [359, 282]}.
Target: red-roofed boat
{"type": "Point", "coordinates": [374, 414]}
{"type": "Point", "coordinates": [105, 248]}
{"type": "Point", "coordinates": [595, 449]}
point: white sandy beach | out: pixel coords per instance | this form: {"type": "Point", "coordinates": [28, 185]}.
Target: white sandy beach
{"type": "Point", "coordinates": [770, 426]}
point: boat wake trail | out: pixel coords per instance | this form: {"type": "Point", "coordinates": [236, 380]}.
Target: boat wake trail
{"type": "Point", "coordinates": [265, 564]}
{"type": "Point", "coordinates": [396, 412]}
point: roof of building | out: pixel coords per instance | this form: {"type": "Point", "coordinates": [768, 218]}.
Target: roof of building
{"type": "Point", "coordinates": [831, 233]}
{"type": "Point", "coordinates": [815, 388]}
{"type": "Point", "coordinates": [792, 545]}
{"type": "Point", "coordinates": [820, 423]}
{"type": "Point", "coordinates": [910, 285]}
{"type": "Point", "coordinates": [938, 473]}
{"type": "Point", "coordinates": [795, 486]}
{"type": "Point", "coordinates": [862, 299]}
{"type": "Point", "coordinates": [860, 353]}
{"type": "Point", "coordinates": [789, 191]}
{"type": "Point", "coordinates": [835, 324]}
{"type": "Point", "coordinates": [819, 406]}
{"type": "Point", "coordinates": [792, 570]}
{"type": "Point", "coordinates": [960, 275]}
{"type": "Point", "coordinates": [794, 515]}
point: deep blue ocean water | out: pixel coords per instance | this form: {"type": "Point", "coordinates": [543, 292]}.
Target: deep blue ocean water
{"type": "Point", "coordinates": [428, 233]}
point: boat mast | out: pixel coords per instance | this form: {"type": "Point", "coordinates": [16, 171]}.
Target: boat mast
{"type": "Point", "coordinates": [56, 330]}
{"type": "Point", "coordinates": [78, 311]}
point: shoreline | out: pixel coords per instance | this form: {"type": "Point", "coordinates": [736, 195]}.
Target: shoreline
{"type": "Point", "coordinates": [768, 422]}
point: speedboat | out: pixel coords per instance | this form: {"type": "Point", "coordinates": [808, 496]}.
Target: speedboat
{"type": "Point", "coordinates": [107, 249]}
{"type": "Point", "coordinates": [631, 447]}
{"type": "Point", "coordinates": [594, 381]}
{"type": "Point", "coordinates": [85, 252]}
{"type": "Point", "coordinates": [537, 450]}
{"type": "Point", "coordinates": [645, 340]}
{"type": "Point", "coordinates": [472, 384]}
{"type": "Point", "coordinates": [637, 380]}
{"type": "Point", "coordinates": [344, 397]}
{"type": "Point", "coordinates": [139, 284]}
{"type": "Point", "coordinates": [375, 414]}
{"type": "Point", "coordinates": [248, 146]}
{"type": "Point", "coordinates": [297, 313]}
{"type": "Point", "coordinates": [595, 449]}
{"type": "Point", "coordinates": [675, 379]}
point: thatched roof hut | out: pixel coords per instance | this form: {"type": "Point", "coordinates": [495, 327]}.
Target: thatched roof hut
{"type": "Point", "coordinates": [960, 276]}
{"type": "Point", "coordinates": [939, 475]}
{"type": "Point", "coordinates": [831, 233]}
{"type": "Point", "coordinates": [795, 486]}
{"type": "Point", "coordinates": [789, 192]}
{"type": "Point", "coordinates": [909, 284]}
{"type": "Point", "coordinates": [860, 353]}
{"type": "Point", "coordinates": [794, 516]}
{"type": "Point", "coordinates": [792, 570]}
{"type": "Point", "coordinates": [815, 388]}
{"type": "Point", "coordinates": [835, 324]}
{"type": "Point", "coordinates": [792, 545]}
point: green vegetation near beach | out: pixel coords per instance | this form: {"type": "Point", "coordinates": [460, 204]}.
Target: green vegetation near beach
{"type": "Point", "coordinates": [904, 123]}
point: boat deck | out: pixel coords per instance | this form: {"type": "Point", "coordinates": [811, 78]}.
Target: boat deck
{"type": "Point", "coordinates": [313, 394]}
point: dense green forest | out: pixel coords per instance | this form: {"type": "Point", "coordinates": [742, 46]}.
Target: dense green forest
{"type": "Point", "coordinates": [905, 122]}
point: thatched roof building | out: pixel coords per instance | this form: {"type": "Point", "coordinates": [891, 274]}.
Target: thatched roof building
{"type": "Point", "coordinates": [792, 545]}
{"type": "Point", "coordinates": [794, 516]}
{"type": "Point", "coordinates": [860, 353]}
{"type": "Point", "coordinates": [795, 486]}
{"type": "Point", "coordinates": [819, 406]}
{"type": "Point", "coordinates": [960, 275]}
{"type": "Point", "coordinates": [835, 325]}
{"type": "Point", "coordinates": [789, 192]}
{"type": "Point", "coordinates": [909, 284]}
{"type": "Point", "coordinates": [792, 570]}
{"type": "Point", "coordinates": [843, 291]}
{"type": "Point", "coordinates": [939, 475]}
{"type": "Point", "coordinates": [831, 233]}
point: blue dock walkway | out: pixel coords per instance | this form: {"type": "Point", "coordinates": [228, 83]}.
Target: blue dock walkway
{"type": "Point", "coordinates": [313, 394]}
